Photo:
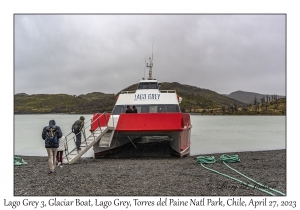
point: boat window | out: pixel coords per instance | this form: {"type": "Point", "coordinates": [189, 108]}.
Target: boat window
{"type": "Point", "coordinates": [155, 108]}
{"type": "Point", "coordinates": [138, 108]}
{"type": "Point", "coordinates": [145, 109]}
{"type": "Point", "coordinates": [148, 85]}
{"type": "Point", "coordinates": [172, 108]}
{"type": "Point", "coordinates": [162, 108]}
{"type": "Point", "coordinates": [152, 109]}
{"type": "Point", "coordinates": [118, 109]}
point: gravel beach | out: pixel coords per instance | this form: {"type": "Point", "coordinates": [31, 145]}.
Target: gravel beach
{"type": "Point", "coordinates": [150, 176]}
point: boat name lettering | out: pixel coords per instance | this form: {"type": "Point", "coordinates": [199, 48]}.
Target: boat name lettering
{"type": "Point", "coordinates": [145, 96]}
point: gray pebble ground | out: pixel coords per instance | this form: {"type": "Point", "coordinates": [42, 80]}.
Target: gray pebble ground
{"type": "Point", "coordinates": [168, 176]}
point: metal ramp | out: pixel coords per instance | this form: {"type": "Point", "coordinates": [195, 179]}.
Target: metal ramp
{"type": "Point", "coordinates": [104, 134]}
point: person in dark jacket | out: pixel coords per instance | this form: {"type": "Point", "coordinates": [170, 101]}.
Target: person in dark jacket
{"type": "Point", "coordinates": [78, 125]}
{"type": "Point", "coordinates": [134, 110]}
{"type": "Point", "coordinates": [128, 110]}
{"type": "Point", "coordinates": [51, 134]}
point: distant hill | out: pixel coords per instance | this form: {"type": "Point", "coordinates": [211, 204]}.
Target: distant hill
{"type": "Point", "coordinates": [195, 99]}
{"type": "Point", "coordinates": [272, 107]}
{"type": "Point", "coordinates": [63, 103]}
{"type": "Point", "coordinates": [248, 97]}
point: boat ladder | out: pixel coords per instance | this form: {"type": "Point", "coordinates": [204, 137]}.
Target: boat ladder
{"type": "Point", "coordinates": [102, 133]}
{"type": "Point", "coordinates": [107, 137]}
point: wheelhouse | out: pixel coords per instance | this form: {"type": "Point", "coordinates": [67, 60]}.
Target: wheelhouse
{"type": "Point", "coordinates": [148, 85]}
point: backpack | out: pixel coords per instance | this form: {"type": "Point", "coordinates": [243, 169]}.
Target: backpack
{"type": "Point", "coordinates": [75, 128]}
{"type": "Point", "coordinates": [51, 136]}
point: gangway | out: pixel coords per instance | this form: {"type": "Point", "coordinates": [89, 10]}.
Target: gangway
{"type": "Point", "coordinates": [102, 133]}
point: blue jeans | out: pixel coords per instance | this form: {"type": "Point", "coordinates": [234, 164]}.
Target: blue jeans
{"type": "Point", "coordinates": [78, 140]}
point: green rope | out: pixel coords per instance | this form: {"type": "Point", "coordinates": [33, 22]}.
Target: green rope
{"type": "Point", "coordinates": [232, 159]}
{"type": "Point", "coordinates": [19, 161]}
{"type": "Point", "coordinates": [235, 158]}
{"type": "Point", "coordinates": [206, 159]}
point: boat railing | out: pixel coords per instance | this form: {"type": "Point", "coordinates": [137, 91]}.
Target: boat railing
{"type": "Point", "coordinates": [70, 139]}
{"type": "Point", "coordinates": [167, 91]}
{"type": "Point", "coordinates": [162, 91]}
{"type": "Point", "coordinates": [127, 92]}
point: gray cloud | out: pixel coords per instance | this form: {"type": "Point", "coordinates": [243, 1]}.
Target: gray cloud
{"type": "Point", "coordinates": [78, 54]}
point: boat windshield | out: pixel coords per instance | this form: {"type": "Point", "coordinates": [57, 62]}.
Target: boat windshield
{"type": "Point", "coordinates": [153, 108]}
{"type": "Point", "coordinates": [148, 85]}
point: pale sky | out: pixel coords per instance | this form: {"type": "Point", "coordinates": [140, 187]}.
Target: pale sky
{"type": "Point", "coordinates": [79, 54]}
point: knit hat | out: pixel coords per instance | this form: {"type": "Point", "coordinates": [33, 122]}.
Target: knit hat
{"type": "Point", "coordinates": [82, 118]}
{"type": "Point", "coordinates": [51, 122]}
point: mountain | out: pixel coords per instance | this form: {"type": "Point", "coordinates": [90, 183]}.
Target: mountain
{"type": "Point", "coordinates": [249, 97]}
{"type": "Point", "coordinates": [63, 103]}
{"type": "Point", "coordinates": [195, 99]}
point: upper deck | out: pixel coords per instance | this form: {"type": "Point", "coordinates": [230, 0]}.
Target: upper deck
{"type": "Point", "coordinates": [148, 99]}
{"type": "Point", "coordinates": [147, 93]}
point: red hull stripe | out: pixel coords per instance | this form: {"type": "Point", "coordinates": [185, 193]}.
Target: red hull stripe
{"type": "Point", "coordinates": [149, 122]}
{"type": "Point", "coordinates": [99, 120]}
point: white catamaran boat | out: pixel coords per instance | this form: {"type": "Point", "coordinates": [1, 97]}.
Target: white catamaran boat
{"type": "Point", "coordinates": [158, 114]}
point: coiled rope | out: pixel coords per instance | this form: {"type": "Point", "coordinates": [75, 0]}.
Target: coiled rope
{"type": "Point", "coordinates": [19, 161]}
{"type": "Point", "coordinates": [233, 159]}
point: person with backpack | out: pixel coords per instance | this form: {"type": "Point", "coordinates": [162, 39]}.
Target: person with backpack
{"type": "Point", "coordinates": [51, 135]}
{"type": "Point", "coordinates": [76, 128]}
{"type": "Point", "coordinates": [60, 151]}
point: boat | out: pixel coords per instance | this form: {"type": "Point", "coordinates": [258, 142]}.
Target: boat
{"type": "Point", "coordinates": [158, 117]}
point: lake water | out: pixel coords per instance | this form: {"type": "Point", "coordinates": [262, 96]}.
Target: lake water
{"type": "Point", "coordinates": [210, 134]}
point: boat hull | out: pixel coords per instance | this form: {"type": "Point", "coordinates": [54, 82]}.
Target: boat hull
{"type": "Point", "coordinates": [131, 128]}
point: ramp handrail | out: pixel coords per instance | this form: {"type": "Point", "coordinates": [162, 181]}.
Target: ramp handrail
{"type": "Point", "coordinates": [67, 140]}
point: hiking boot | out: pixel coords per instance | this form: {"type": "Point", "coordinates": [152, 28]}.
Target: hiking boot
{"type": "Point", "coordinates": [50, 172]}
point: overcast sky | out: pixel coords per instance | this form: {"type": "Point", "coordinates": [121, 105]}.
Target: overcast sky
{"type": "Point", "coordinates": [79, 54]}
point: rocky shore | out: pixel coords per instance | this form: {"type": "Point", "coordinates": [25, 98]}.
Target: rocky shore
{"type": "Point", "coordinates": [150, 176]}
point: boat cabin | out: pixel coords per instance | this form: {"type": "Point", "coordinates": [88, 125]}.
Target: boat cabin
{"type": "Point", "coordinates": [147, 99]}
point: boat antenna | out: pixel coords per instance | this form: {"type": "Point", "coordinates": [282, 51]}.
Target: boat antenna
{"type": "Point", "coordinates": [152, 48]}
{"type": "Point", "coordinates": [144, 69]}
{"type": "Point", "coordinates": [150, 64]}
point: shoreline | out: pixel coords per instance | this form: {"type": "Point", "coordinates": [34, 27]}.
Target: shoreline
{"type": "Point", "coordinates": [151, 176]}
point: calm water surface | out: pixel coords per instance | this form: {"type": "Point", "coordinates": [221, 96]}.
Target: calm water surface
{"type": "Point", "coordinates": [219, 134]}
{"type": "Point", "coordinates": [210, 134]}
